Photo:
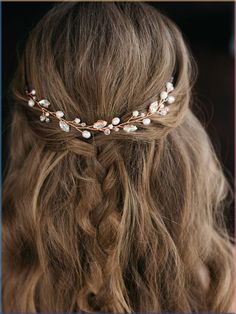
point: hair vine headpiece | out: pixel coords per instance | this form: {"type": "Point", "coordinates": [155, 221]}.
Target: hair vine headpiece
{"type": "Point", "coordinates": [156, 107]}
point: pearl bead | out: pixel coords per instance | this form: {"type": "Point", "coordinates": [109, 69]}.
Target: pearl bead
{"type": "Point", "coordinates": [116, 129]}
{"type": "Point", "coordinates": [107, 131]}
{"type": "Point", "coordinates": [135, 113]}
{"type": "Point", "coordinates": [31, 103]}
{"type": "Point", "coordinates": [33, 92]}
{"type": "Point", "coordinates": [77, 120]}
{"type": "Point", "coordinates": [164, 95]}
{"type": "Point", "coordinates": [146, 121]}
{"type": "Point", "coordinates": [47, 119]}
{"type": "Point", "coordinates": [115, 121]}
{"type": "Point", "coordinates": [170, 99]}
{"type": "Point", "coordinates": [110, 126]}
{"type": "Point", "coordinates": [86, 134]}
{"type": "Point", "coordinates": [83, 124]}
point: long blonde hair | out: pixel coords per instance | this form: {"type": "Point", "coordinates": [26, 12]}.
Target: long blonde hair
{"type": "Point", "coordinates": [118, 223]}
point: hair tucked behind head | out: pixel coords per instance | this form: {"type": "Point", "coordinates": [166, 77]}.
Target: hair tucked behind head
{"type": "Point", "coordinates": [117, 223]}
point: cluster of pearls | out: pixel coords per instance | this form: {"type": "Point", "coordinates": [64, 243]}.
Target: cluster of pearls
{"type": "Point", "coordinates": [157, 107]}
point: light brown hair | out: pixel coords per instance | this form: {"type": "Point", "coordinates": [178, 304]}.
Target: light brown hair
{"type": "Point", "coordinates": [116, 223]}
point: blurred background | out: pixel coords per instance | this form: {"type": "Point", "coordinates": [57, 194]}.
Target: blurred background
{"type": "Point", "coordinates": [207, 28]}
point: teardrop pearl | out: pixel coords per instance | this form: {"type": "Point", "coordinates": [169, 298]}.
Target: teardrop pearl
{"type": "Point", "coordinates": [31, 103]}
{"type": "Point", "coordinates": [77, 120]}
{"type": "Point", "coordinates": [107, 131]}
{"type": "Point", "coordinates": [146, 121]}
{"type": "Point", "coordinates": [170, 99]}
{"type": "Point", "coordinates": [86, 134]}
{"type": "Point", "coordinates": [135, 113]}
{"type": "Point", "coordinates": [115, 121]}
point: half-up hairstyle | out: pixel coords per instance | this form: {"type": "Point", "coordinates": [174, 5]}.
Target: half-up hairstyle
{"type": "Point", "coordinates": [118, 223]}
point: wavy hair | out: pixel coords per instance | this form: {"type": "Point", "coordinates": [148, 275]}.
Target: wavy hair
{"type": "Point", "coordinates": [122, 223]}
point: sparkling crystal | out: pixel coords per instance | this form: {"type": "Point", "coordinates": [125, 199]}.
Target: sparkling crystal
{"type": "Point", "coordinates": [31, 103]}
{"type": "Point", "coordinates": [130, 128]}
{"type": "Point", "coordinates": [163, 112]}
{"type": "Point", "coordinates": [59, 114]}
{"type": "Point", "coordinates": [135, 113]}
{"type": "Point", "coordinates": [44, 102]}
{"type": "Point", "coordinates": [107, 131]}
{"type": "Point", "coordinates": [115, 121]}
{"type": "Point", "coordinates": [83, 124]}
{"type": "Point", "coordinates": [153, 106]}
{"type": "Point", "coordinates": [86, 134]}
{"type": "Point", "coordinates": [64, 126]}
{"type": "Point", "coordinates": [77, 120]}
{"type": "Point", "coordinates": [100, 124]}
{"type": "Point", "coordinates": [146, 121]}
{"type": "Point", "coordinates": [169, 87]}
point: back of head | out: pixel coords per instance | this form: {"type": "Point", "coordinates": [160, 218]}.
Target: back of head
{"type": "Point", "coordinates": [115, 223]}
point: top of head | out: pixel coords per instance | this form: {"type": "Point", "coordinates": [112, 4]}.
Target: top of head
{"type": "Point", "coordinates": [97, 61]}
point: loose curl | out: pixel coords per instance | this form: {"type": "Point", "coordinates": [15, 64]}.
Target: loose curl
{"type": "Point", "coordinates": [117, 223]}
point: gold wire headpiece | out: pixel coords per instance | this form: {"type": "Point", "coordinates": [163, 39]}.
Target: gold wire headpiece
{"type": "Point", "coordinates": [156, 107]}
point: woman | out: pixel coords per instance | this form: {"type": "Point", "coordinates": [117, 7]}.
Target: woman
{"type": "Point", "coordinates": [113, 198]}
